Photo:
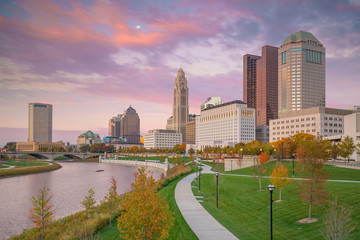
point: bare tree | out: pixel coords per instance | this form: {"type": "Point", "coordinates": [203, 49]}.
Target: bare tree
{"type": "Point", "coordinates": [338, 223]}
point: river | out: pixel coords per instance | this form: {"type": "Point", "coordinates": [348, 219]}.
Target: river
{"type": "Point", "coordinates": [69, 185]}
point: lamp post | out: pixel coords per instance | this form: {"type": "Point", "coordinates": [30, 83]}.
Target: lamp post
{"type": "Point", "coordinates": [217, 190]}
{"type": "Point", "coordinates": [241, 153]}
{"type": "Point", "coordinates": [271, 188]}
{"type": "Point", "coordinates": [199, 178]}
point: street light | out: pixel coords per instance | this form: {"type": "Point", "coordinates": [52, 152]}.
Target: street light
{"type": "Point", "coordinates": [293, 158]}
{"type": "Point", "coordinates": [241, 153]}
{"type": "Point", "coordinates": [271, 188]}
{"type": "Point", "coordinates": [217, 190]}
{"type": "Point", "coordinates": [199, 177]}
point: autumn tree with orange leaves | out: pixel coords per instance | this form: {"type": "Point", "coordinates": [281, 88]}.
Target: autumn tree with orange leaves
{"type": "Point", "coordinates": [280, 177]}
{"type": "Point", "coordinates": [42, 213]}
{"type": "Point", "coordinates": [311, 155]}
{"type": "Point", "coordinates": [146, 214]}
{"type": "Point", "coordinates": [260, 168]}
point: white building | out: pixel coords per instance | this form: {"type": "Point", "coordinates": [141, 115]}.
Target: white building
{"type": "Point", "coordinates": [211, 102]}
{"type": "Point", "coordinates": [225, 125]}
{"type": "Point", "coordinates": [161, 138]}
{"type": "Point", "coordinates": [317, 121]}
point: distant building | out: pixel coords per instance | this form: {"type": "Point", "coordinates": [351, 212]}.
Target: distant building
{"type": "Point", "coordinates": [262, 133]}
{"type": "Point", "coordinates": [355, 108]}
{"type": "Point", "coordinates": [114, 126]}
{"type": "Point", "coordinates": [34, 146]}
{"type": "Point", "coordinates": [130, 126]}
{"type": "Point", "coordinates": [190, 129]}
{"type": "Point", "coordinates": [225, 125]}
{"type": "Point", "coordinates": [180, 115]}
{"type": "Point", "coordinates": [161, 138]}
{"type": "Point", "coordinates": [40, 122]}
{"type": "Point", "coordinates": [316, 121]}
{"type": "Point", "coordinates": [301, 72]}
{"type": "Point", "coordinates": [249, 79]}
{"type": "Point", "coordinates": [211, 102]}
{"type": "Point", "coordinates": [88, 138]}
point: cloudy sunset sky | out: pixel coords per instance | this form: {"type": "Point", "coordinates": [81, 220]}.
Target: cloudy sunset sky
{"type": "Point", "coordinates": [92, 59]}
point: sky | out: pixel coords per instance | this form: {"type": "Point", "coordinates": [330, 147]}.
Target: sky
{"type": "Point", "coordinates": [93, 59]}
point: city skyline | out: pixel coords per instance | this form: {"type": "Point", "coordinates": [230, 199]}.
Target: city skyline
{"type": "Point", "coordinates": [100, 57]}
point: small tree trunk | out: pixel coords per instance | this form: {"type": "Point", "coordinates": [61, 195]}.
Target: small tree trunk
{"type": "Point", "coordinates": [280, 194]}
{"type": "Point", "coordinates": [260, 183]}
{"type": "Point", "coordinates": [310, 210]}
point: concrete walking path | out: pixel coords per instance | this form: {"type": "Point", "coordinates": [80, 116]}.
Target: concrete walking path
{"type": "Point", "coordinates": [200, 221]}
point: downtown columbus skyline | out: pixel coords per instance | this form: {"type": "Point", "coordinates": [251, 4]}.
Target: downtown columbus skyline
{"type": "Point", "coordinates": [91, 60]}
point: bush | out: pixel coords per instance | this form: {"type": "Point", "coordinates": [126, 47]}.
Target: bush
{"type": "Point", "coordinates": [28, 170]}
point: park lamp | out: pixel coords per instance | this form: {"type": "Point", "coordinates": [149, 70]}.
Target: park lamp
{"type": "Point", "coordinates": [271, 188]}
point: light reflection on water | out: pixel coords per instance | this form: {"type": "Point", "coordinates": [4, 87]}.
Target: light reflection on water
{"type": "Point", "coordinates": [69, 185]}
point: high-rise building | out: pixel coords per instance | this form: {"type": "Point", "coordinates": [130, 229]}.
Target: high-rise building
{"type": "Point", "coordinates": [190, 129]}
{"type": "Point", "coordinates": [161, 138]}
{"type": "Point", "coordinates": [180, 115]}
{"type": "Point", "coordinates": [40, 122]}
{"type": "Point", "coordinates": [114, 126]}
{"type": "Point", "coordinates": [267, 86]}
{"type": "Point", "coordinates": [249, 79]}
{"type": "Point", "coordinates": [130, 126]}
{"type": "Point", "coordinates": [301, 82]}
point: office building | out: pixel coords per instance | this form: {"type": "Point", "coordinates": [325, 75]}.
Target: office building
{"type": "Point", "coordinates": [225, 125]}
{"type": "Point", "coordinates": [114, 126]}
{"type": "Point", "coordinates": [301, 63]}
{"type": "Point", "coordinates": [34, 146]}
{"type": "Point", "coordinates": [249, 79]}
{"type": "Point", "coordinates": [40, 122]}
{"type": "Point", "coordinates": [161, 138]}
{"type": "Point", "coordinates": [211, 102]}
{"type": "Point", "coordinates": [180, 109]}
{"type": "Point", "coordinates": [316, 121]}
{"type": "Point", "coordinates": [130, 126]}
{"type": "Point", "coordinates": [190, 129]}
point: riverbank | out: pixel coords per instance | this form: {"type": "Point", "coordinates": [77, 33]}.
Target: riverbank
{"type": "Point", "coordinates": [29, 169]}
{"type": "Point", "coordinates": [76, 226]}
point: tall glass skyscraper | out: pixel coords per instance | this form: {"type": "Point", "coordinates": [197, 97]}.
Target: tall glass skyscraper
{"type": "Point", "coordinates": [301, 62]}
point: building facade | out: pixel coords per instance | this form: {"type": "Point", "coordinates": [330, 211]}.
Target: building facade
{"type": "Point", "coordinates": [34, 146]}
{"type": "Point", "coordinates": [114, 126]}
{"type": "Point", "coordinates": [162, 138]}
{"type": "Point", "coordinates": [211, 102]}
{"type": "Point", "coordinates": [352, 129]}
{"type": "Point", "coordinates": [130, 126]}
{"type": "Point", "coordinates": [190, 130]}
{"type": "Point", "coordinates": [249, 79]}
{"type": "Point", "coordinates": [40, 122]}
{"type": "Point", "coordinates": [267, 86]}
{"type": "Point", "coordinates": [225, 125]}
{"type": "Point", "coordinates": [88, 138]}
{"type": "Point", "coordinates": [316, 121]}
{"type": "Point", "coordinates": [180, 109]}
{"type": "Point", "coordinates": [301, 61]}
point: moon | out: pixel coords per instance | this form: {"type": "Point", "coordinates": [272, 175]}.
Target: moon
{"type": "Point", "coordinates": [138, 27]}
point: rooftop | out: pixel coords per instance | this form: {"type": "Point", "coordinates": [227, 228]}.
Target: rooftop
{"type": "Point", "coordinates": [301, 35]}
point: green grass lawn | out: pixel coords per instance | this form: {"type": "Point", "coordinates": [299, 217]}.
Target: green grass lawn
{"type": "Point", "coordinates": [141, 158]}
{"type": "Point", "coordinates": [24, 164]}
{"type": "Point", "coordinates": [336, 173]}
{"type": "Point", "coordinates": [245, 211]}
{"type": "Point", "coordinates": [180, 230]}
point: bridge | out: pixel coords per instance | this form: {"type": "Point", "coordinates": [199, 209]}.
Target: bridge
{"type": "Point", "coordinates": [52, 155]}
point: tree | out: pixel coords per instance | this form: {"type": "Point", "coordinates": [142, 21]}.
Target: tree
{"type": "Point", "coordinates": [89, 202]}
{"type": "Point", "coordinates": [347, 147]}
{"type": "Point", "coordinates": [338, 223]}
{"type": "Point", "coordinates": [112, 200]}
{"type": "Point", "coordinates": [10, 146]}
{"type": "Point", "coordinates": [191, 151]}
{"type": "Point", "coordinates": [260, 168]}
{"type": "Point", "coordinates": [85, 148]}
{"type": "Point", "coordinates": [311, 157]}
{"type": "Point", "coordinates": [280, 177]}
{"type": "Point", "coordinates": [43, 149]}
{"type": "Point", "coordinates": [42, 213]}
{"type": "Point", "coordinates": [146, 214]}
{"type": "Point", "coordinates": [335, 150]}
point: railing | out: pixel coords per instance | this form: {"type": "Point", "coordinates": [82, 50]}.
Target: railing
{"type": "Point", "coordinates": [147, 163]}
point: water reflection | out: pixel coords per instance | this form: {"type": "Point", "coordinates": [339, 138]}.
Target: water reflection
{"type": "Point", "coordinates": [69, 186]}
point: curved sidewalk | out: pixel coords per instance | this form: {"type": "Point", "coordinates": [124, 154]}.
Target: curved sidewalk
{"type": "Point", "coordinates": [200, 221]}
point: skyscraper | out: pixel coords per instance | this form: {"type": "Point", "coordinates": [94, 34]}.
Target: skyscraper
{"type": "Point", "coordinates": [267, 86]}
{"type": "Point", "coordinates": [260, 84]}
{"type": "Point", "coordinates": [249, 79]}
{"type": "Point", "coordinates": [40, 122]}
{"type": "Point", "coordinates": [130, 126]}
{"type": "Point", "coordinates": [301, 82]}
{"type": "Point", "coordinates": [180, 115]}
{"type": "Point", "coordinates": [114, 126]}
